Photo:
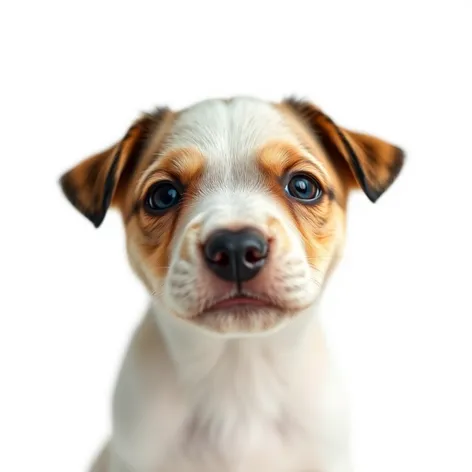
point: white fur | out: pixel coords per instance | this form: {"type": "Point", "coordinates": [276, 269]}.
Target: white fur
{"type": "Point", "coordinates": [188, 402]}
{"type": "Point", "coordinates": [189, 399]}
{"type": "Point", "coordinates": [229, 132]}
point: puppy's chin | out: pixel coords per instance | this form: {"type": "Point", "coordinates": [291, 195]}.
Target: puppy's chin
{"type": "Point", "coordinates": [243, 320]}
{"type": "Point", "coordinates": [239, 319]}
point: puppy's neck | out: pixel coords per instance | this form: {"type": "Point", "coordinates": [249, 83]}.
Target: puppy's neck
{"type": "Point", "coordinates": [238, 391]}
{"type": "Point", "coordinates": [198, 355]}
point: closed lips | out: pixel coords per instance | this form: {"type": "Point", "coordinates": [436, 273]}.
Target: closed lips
{"type": "Point", "coordinates": [241, 301]}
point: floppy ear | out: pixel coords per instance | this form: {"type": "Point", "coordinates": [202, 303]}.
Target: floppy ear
{"type": "Point", "coordinates": [374, 163]}
{"type": "Point", "coordinates": [91, 185]}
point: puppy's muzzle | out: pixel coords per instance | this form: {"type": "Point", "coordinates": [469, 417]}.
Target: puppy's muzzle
{"type": "Point", "coordinates": [236, 256]}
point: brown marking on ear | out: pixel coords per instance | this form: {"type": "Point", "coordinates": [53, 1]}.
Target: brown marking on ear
{"type": "Point", "coordinates": [84, 186]}
{"type": "Point", "coordinates": [374, 163]}
{"type": "Point", "coordinates": [381, 162]}
{"type": "Point", "coordinates": [92, 184]}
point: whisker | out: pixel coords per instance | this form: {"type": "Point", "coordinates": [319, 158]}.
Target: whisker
{"type": "Point", "coordinates": [159, 291]}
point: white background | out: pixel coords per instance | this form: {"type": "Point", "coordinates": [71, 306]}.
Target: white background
{"type": "Point", "coordinates": [398, 314]}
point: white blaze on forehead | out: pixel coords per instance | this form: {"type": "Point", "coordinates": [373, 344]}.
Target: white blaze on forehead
{"type": "Point", "coordinates": [229, 132]}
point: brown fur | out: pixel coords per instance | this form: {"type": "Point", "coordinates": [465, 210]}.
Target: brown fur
{"type": "Point", "coordinates": [374, 163]}
{"type": "Point", "coordinates": [122, 174]}
{"type": "Point", "coordinates": [93, 184]}
{"type": "Point", "coordinates": [314, 222]}
{"type": "Point", "coordinates": [184, 166]}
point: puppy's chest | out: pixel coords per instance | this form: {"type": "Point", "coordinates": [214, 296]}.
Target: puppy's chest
{"type": "Point", "coordinates": [247, 419]}
{"type": "Point", "coordinates": [244, 443]}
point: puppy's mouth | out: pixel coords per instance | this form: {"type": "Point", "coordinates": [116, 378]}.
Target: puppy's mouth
{"type": "Point", "coordinates": [240, 302]}
{"type": "Point", "coordinates": [242, 313]}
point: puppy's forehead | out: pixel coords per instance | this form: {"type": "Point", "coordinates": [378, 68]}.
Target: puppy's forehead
{"type": "Point", "coordinates": [229, 132]}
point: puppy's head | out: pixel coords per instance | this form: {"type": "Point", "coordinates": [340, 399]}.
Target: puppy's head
{"type": "Point", "coordinates": [234, 209]}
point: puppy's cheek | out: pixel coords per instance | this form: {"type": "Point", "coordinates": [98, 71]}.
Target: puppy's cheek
{"type": "Point", "coordinates": [183, 285]}
{"type": "Point", "coordinates": [180, 291]}
{"type": "Point", "coordinates": [295, 283]}
{"type": "Point", "coordinates": [330, 245]}
{"type": "Point", "coordinates": [300, 263]}
{"type": "Point", "coordinates": [288, 278]}
{"type": "Point", "coordinates": [147, 258]}
{"type": "Point", "coordinates": [282, 237]}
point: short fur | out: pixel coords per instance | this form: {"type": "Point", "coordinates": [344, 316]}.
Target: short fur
{"type": "Point", "coordinates": [249, 389]}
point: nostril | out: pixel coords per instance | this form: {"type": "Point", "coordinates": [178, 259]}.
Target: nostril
{"type": "Point", "coordinates": [218, 250]}
{"type": "Point", "coordinates": [221, 258]}
{"type": "Point", "coordinates": [253, 255]}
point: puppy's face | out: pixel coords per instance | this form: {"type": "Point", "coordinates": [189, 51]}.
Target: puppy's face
{"type": "Point", "coordinates": [234, 209]}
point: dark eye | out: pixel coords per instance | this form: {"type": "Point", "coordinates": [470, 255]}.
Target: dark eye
{"type": "Point", "coordinates": [303, 187]}
{"type": "Point", "coordinates": [161, 197]}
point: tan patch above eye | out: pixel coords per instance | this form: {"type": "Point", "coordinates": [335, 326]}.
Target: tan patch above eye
{"type": "Point", "coordinates": [278, 158]}
{"type": "Point", "coordinates": [182, 164]}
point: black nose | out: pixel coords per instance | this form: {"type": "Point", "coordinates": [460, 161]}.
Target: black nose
{"type": "Point", "coordinates": [236, 256]}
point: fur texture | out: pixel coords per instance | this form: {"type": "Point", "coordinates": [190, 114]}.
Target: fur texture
{"type": "Point", "coordinates": [249, 388]}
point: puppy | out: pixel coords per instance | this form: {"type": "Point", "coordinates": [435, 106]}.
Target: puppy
{"type": "Point", "coordinates": [234, 212]}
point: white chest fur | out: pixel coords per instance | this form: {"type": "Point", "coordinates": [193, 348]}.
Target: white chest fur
{"type": "Point", "coordinates": [189, 402]}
